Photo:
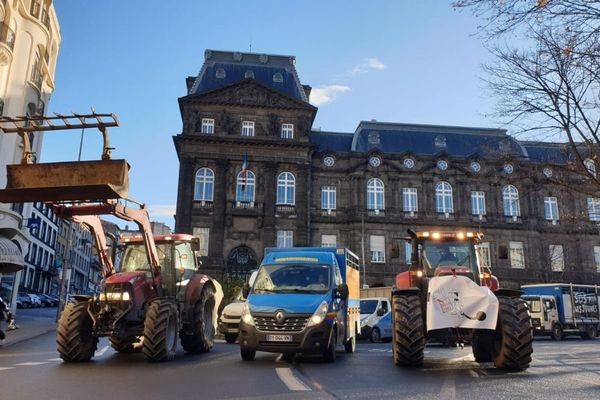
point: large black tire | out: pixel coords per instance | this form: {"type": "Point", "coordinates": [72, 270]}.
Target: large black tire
{"type": "Point", "coordinates": [513, 342]}
{"type": "Point", "coordinates": [329, 355]}
{"type": "Point", "coordinates": [375, 335]}
{"type": "Point", "coordinates": [74, 337]}
{"type": "Point", "coordinates": [590, 333]}
{"type": "Point", "coordinates": [199, 336]}
{"type": "Point", "coordinates": [409, 334]}
{"type": "Point", "coordinates": [129, 344]}
{"type": "Point", "coordinates": [483, 345]}
{"type": "Point", "coordinates": [350, 345]}
{"type": "Point", "coordinates": [557, 332]}
{"type": "Point", "coordinates": [160, 331]}
{"type": "Point", "coordinates": [230, 338]}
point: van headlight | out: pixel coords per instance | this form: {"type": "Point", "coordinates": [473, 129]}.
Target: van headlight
{"type": "Point", "coordinates": [319, 315]}
{"type": "Point", "coordinates": [246, 316]}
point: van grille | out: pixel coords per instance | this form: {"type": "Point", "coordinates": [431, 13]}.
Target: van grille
{"type": "Point", "coordinates": [290, 324]}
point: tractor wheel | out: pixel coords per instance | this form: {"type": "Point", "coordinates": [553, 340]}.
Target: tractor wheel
{"type": "Point", "coordinates": [126, 345]}
{"type": "Point", "coordinates": [375, 336]}
{"type": "Point", "coordinates": [557, 332]}
{"type": "Point", "coordinates": [513, 342]}
{"type": "Point", "coordinates": [199, 335]}
{"type": "Point", "coordinates": [350, 345]}
{"type": "Point", "coordinates": [74, 337]}
{"type": "Point", "coordinates": [482, 345]}
{"type": "Point", "coordinates": [409, 335]}
{"type": "Point", "coordinates": [248, 355]}
{"type": "Point", "coordinates": [329, 354]}
{"type": "Point", "coordinates": [160, 331]}
{"type": "Point", "coordinates": [230, 338]}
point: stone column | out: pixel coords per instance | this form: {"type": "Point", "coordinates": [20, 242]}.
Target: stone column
{"type": "Point", "coordinates": [185, 196]}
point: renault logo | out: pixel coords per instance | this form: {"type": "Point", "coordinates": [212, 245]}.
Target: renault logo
{"type": "Point", "coordinates": [279, 317]}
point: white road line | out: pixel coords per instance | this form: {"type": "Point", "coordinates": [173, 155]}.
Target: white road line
{"type": "Point", "coordinates": [289, 379]}
{"type": "Point", "coordinates": [101, 352]}
{"type": "Point", "coordinates": [32, 363]}
{"type": "Point", "coordinates": [54, 359]}
{"type": "Point", "coordinates": [448, 390]}
{"type": "Point", "coordinates": [5, 368]}
{"type": "Point", "coordinates": [473, 374]}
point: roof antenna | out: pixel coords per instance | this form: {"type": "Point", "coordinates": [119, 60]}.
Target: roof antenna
{"type": "Point", "coordinates": [250, 47]}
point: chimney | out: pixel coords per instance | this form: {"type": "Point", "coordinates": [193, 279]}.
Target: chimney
{"type": "Point", "coordinates": [189, 82]}
{"type": "Point", "coordinates": [307, 90]}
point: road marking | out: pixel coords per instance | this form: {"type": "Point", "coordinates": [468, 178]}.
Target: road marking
{"type": "Point", "coordinates": [448, 390]}
{"type": "Point", "coordinates": [289, 379]}
{"type": "Point", "coordinates": [54, 359]}
{"type": "Point", "coordinates": [473, 374]}
{"type": "Point", "coordinates": [5, 368]}
{"type": "Point", "coordinates": [32, 363]}
{"type": "Point", "coordinates": [101, 352]}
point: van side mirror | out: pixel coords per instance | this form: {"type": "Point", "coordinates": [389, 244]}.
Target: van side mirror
{"type": "Point", "coordinates": [342, 291]}
{"type": "Point", "coordinates": [380, 312]}
{"type": "Point", "coordinates": [245, 290]}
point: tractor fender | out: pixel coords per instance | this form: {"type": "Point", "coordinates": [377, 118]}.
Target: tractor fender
{"type": "Point", "coordinates": [80, 297]}
{"type": "Point", "coordinates": [508, 292]}
{"type": "Point", "coordinates": [404, 291]}
{"type": "Point", "coordinates": [194, 292]}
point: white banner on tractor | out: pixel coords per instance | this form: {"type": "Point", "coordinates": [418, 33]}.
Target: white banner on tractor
{"type": "Point", "coordinates": [458, 302]}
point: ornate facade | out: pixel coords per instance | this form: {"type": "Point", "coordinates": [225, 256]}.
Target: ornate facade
{"type": "Point", "coordinates": [254, 174]}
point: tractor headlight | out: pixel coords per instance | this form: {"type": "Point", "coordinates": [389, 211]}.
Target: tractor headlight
{"type": "Point", "coordinates": [115, 296]}
{"type": "Point", "coordinates": [246, 316]}
{"type": "Point", "coordinates": [319, 315]}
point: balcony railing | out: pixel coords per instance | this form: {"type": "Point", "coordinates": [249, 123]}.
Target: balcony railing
{"type": "Point", "coordinates": [243, 204]}
{"type": "Point", "coordinates": [7, 36]}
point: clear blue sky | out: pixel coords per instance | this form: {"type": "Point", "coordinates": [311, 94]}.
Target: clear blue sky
{"type": "Point", "coordinates": [398, 61]}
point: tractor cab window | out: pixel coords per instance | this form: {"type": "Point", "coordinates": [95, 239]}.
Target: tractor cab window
{"type": "Point", "coordinates": [135, 258]}
{"type": "Point", "coordinates": [443, 256]}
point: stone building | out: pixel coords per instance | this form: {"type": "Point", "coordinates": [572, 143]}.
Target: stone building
{"type": "Point", "coordinates": [254, 174]}
{"type": "Point", "coordinates": [29, 43]}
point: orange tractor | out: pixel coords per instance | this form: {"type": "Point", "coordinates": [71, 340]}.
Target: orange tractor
{"type": "Point", "coordinates": [157, 294]}
{"type": "Point", "coordinates": [447, 295]}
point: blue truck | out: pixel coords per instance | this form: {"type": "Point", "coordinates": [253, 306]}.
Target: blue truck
{"type": "Point", "coordinates": [303, 300]}
{"type": "Point", "coordinates": [561, 309]}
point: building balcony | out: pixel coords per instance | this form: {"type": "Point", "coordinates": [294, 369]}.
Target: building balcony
{"type": "Point", "coordinates": [376, 213]}
{"type": "Point", "coordinates": [244, 204]}
{"type": "Point", "coordinates": [285, 208]}
{"type": "Point", "coordinates": [203, 204]}
{"type": "Point", "coordinates": [7, 36]}
{"type": "Point", "coordinates": [328, 213]}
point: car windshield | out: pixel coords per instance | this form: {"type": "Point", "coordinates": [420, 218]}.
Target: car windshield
{"type": "Point", "coordinates": [449, 254]}
{"type": "Point", "coordinates": [368, 306]}
{"type": "Point", "coordinates": [534, 305]}
{"type": "Point", "coordinates": [290, 278]}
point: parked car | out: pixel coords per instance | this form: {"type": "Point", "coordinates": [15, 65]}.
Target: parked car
{"type": "Point", "coordinates": [230, 317]}
{"type": "Point", "coordinates": [23, 301]}
{"type": "Point", "coordinates": [47, 301]}
{"type": "Point", "coordinates": [35, 300]}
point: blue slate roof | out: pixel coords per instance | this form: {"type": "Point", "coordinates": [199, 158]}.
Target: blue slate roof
{"type": "Point", "coordinates": [223, 68]}
{"type": "Point", "coordinates": [545, 152]}
{"type": "Point", "coordinates": [332, 141]}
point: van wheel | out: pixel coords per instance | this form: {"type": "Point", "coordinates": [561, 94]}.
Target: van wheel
{"type": "Point", "coordinates": [350, 345]}
{"type": "Point", "coordinates": [229, 338]}
{"type": "Point", "coordinates": [248, 355]}
{"type": "Point", "coordinates": [557, 332]}
{"type": "Point", "coordinates": [590, 332]}
{"type": "Point", "coordinates": [329, 354]}
{"type": "Point", "coordinates": [375, 335]}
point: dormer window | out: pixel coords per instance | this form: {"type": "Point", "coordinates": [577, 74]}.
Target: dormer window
{"type": "Point", "coordinates": [277, 77]}
{"type": "Point", "coordinates": [287, 131]}
{"type": "Point", "coordinates": [220, 74]}
{"type": "Point", "coordinates": [440, 142]}
{"type": "Point", "coordinates": [590, 166]}
{"type": "Point", "coordinates": [249, 74]}
{"type": "Point", "coordinates": [208, 126]}
{"type": "Point", "coordinates": [247, 128]}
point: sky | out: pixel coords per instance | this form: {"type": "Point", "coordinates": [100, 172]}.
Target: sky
{"type": "Point", "coordinates": [396, 61]}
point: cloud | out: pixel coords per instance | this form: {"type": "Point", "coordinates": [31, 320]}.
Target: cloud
{"type": "Point", "coordinates": [161, 211]}
{"type": "Point", "coordinates": [326, 94]}
{"type": "Point", "coordinates": [368, 65]}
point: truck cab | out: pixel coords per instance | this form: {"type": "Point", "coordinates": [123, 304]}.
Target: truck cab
{"type": "Point", "coordinates": [544, 314]}
{"type": "Point", "coordinates": [304, 300]}
{"type": "Point", "coordinates": [372, 310]}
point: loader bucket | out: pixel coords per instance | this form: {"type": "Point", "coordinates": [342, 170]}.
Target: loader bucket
{"type": "Point", "coordinates": [66, 181]}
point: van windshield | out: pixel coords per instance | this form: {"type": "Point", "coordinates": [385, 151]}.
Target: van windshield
{"type": "Point", "coordinates": [368, 306]}
{"type": "Point", "coordinates": [292, 278]}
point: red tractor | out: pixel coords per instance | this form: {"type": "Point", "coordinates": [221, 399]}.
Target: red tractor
{"type": "Point", "coordinates": [157, 294]}
{"type": "Point", "coordinates": [446, 295]}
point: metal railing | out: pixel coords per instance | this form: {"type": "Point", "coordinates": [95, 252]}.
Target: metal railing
{"type": "Point", "coordinates": [7, 36]}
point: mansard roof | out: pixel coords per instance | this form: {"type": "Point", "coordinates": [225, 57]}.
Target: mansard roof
{"type": "Point", "coordinates": [332, 141]}
{"type": "Point", "coordinates": [223, 68]}
{"type": "Point", "coordinates": [551, 153]}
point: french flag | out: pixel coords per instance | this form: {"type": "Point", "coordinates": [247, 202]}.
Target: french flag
{"type": "Point", "coordinates": [244, 171]}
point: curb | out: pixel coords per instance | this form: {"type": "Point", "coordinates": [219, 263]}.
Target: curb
{"type": "Point", "coordinates": [23, 339]}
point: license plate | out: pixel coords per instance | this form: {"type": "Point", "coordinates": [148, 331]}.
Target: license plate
{"type": "Point", "coordinates": [279, 338]}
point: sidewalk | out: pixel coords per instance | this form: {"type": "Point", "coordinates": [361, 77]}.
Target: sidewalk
{"type": "Point", "coordinates": [32, 323]}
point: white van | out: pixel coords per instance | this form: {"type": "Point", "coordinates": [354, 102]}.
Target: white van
{"type": "Point", "coordinates": [230, 317]}
{"type": "Point", "coordinates": [372, 309]}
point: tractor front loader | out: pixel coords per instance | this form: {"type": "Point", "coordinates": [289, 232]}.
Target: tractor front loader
{"type": "Point", "coordinates": [156, 294]}
{"type": "Point", "coordinates": [446, 296]}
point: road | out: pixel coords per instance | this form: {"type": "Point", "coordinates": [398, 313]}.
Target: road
{"type": "Point", "coordinates": [32, 370]}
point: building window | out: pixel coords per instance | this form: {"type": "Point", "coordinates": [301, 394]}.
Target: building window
{"type": "Point", "coordinates": [590, 166]}
{"type": "Point", "coordinates": [328, 240]}
{"type": "Point", "coordinates": [203, 234]}
{"type": "Point", "coordinates": [205, 182]}
{"type": "Point", "coordinates": [408, 253]}
{"type": "Point", "coordinates": [244, 192]}
{"type": "Point", "coordinates": [285, 239]}
{"type": "Point", "coordinates": [375, 194]}
{"type": "Point", "coordinates": [478, 203]}
{"type": "Point", "coordinates": [287, 131]}
{"type": "Point", "coordinates": [208, 126]}
{"type": "Point", "coordinates": [593, 209]}
{"type": "Point", "coordinates": [328, 195]}
{"type": "Point", "coordinates": [286, 189]}
{"type": "Point", "coordinates": [247, 128]}
{"type": "Point", "coordinates": [551, 208]}
{"type": "Point", "coordinates": [557, 257]}
{"type": "Point", "coordinates": [443, 198]}
{"type": "Point", "coordinates": [377, 249]}
{"type": "Point", "coordinates": [409, 200]}
{"type": "Point", "coordinates": [484, 254]}
{"type": "Point", "coordinates": [517, 255]}
{"type": "Point", "coordinates": [597, 257]}
{"type": "Point", "coordinates": [510, 199]}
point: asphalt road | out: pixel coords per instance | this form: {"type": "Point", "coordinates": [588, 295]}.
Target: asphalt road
{"type": "Point", "coordinates": [561, 370]}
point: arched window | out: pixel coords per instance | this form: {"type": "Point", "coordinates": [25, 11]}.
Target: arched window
{"type": "Point", "coordinates": [286, 189]}
{"type": "Point", "coordinates": [510, 199]}
{"type": "Point", "coordinates": [244, 192]}
{"type": "Point", "coordinates": [443, 198]}
{"type": "Point", "coordinates": [205, 184]}
{"type": "Point", "coordinates": [375, 194]}
{"type": "Point", "coordinates": [590, 166]}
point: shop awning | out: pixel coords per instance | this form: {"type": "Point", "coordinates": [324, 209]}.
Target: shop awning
{"type": "Point", "coordinates": [11, 258]}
